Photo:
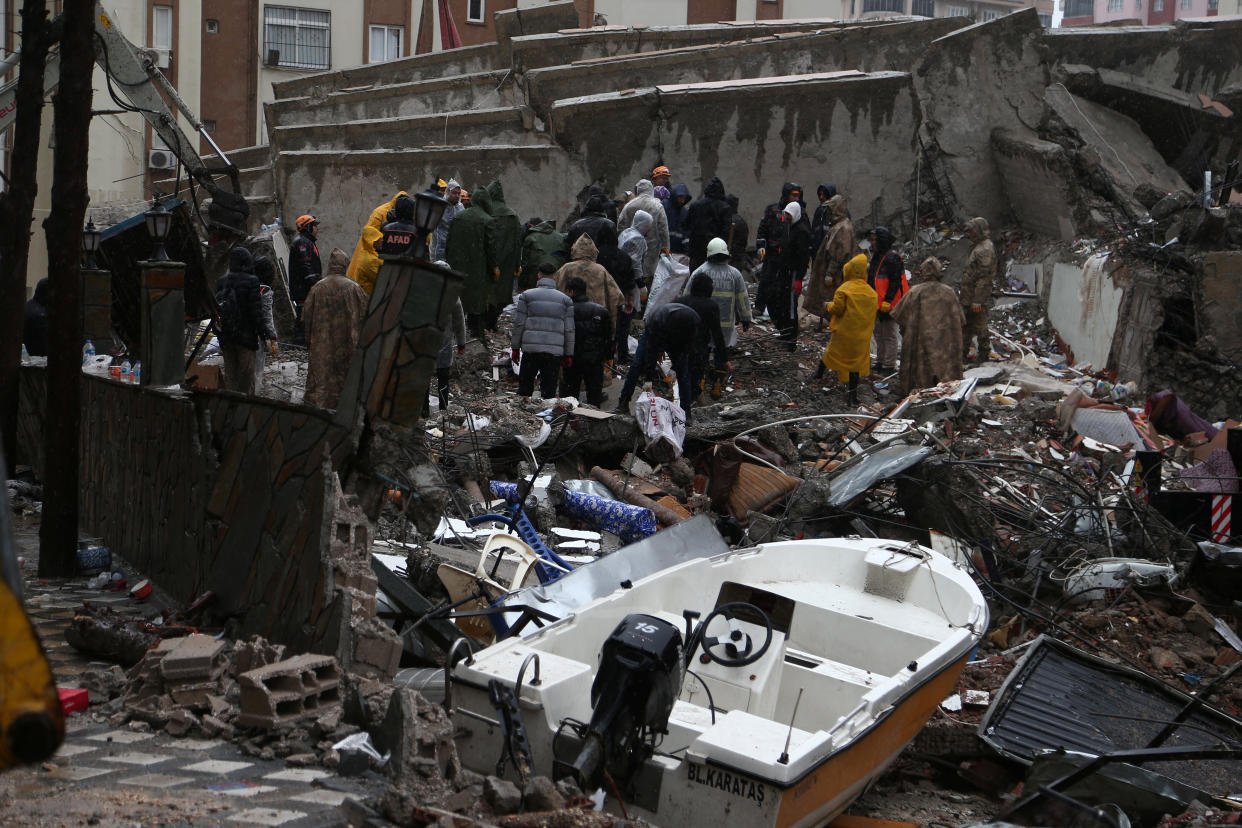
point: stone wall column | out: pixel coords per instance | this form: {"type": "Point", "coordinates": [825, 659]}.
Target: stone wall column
{"type": "Point", "coordinates": [401, 335]}
{"type": "Point", "coordinates": [162, 347]}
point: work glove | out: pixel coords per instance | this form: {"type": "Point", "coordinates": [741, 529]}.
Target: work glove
{"type": "Point", "coordinates": [271, 347]}
{"type": "Point", "coordinates": [763, 251]}
{"type": "Point", "coordinates": [798, 288]}
{"type": "Point", "coordinates": [665, 251]}
{"type": "Point", "coordinates": [976, 308]}
{"type": "Point", "coordinates": [514, 354]}
{"type": "Point", "coordinates": [567, 362]}
{"type": "Point", "coordinates": [886, 306]}
{"type": "Point", "coordinates": [745, 325]}
{"type": "Point", "coordinates": [495, 274]}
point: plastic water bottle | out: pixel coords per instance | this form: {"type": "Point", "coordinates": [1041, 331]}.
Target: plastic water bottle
{"type": "Point", "coordinates": [126, 371]}
{"type": "Point", "coordinates": [88, 354]}
{"type": "Point", "coordinates": [137, 374]}
{"type": "Point", "coordinates": [25, 353]}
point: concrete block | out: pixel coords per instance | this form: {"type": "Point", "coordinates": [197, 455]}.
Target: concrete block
{"type": "Point", "coordinates": [305, 685]}
{"type": "Point", "coordinates": [257, 652]}
{"type": "Point", "coordinates": [192, 657]}
{"type": "Point", "coordinates": [377, 651]}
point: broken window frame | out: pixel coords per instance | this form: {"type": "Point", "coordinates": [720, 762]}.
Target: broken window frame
{"type": "Point", "coordinates": [390, 35]}
{"type": "Point", "coordinates": [292, 32]}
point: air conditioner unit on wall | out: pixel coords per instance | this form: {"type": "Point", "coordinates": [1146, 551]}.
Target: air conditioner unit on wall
{"type": "Point", "coordinates": [161, 159]}
{"type": "Point", "coordinates": [163, 58]}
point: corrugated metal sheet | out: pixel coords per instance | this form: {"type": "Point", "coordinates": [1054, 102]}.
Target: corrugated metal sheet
{"type": "Point", "coordinates": [1060, 697]}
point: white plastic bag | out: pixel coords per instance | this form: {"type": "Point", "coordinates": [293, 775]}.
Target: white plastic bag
{"type": "Point", "coordinates": [660, 419]}
{"type": "Point", "coordinates": [667, 284]}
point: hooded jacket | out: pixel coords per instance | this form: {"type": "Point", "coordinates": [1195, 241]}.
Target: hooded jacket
{"type": "Point", "coordinates": [772, 213]}
{"type": "Point", "coordinates": [543, 321]}
{"type": "Point", "coordinates": [365, 262]}
{"type": "Point", "coordinates": [823, 214]}
{"type": "Point", "coordinates": [542, 244]}
{"type": "Point", "coordinates": [594, 223]}
{"type": "Point", "coordinates": [633, 241]}
{"type": "Point", "coordinates": [245, 287]}
{"type": "Point", "coordinates": [796, 254]}
{"type": "Point", "coordinates": [729, 294]}
{"type": "Point", "coordinates": [885, 266]}
{"type": "Point", "coordinates": [830, 257]}
{"type": "Point", "coordinates": [657, 234]}
{"type": "Point", "coordinates": [676, 214]}
{"type": "Point", "coordinates": [439, 236]}
{"type": "Point", "coordinates": [508, 234]}
{"type": "Point", "coordinates": [707, 218]}
{"type": "Point", "coordinates": [980, 271]}
{"type": "Point", "coordinates": [471, 251]}
{"type": "Point", "coordinates": [601, 289]}
{"type": "Point", "coordinates": [852, 313]}
{"type": "Point", "coordinates": [333, 317]}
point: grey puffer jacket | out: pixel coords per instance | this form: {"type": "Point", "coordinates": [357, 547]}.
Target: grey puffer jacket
{"type": "Point", "coordinates": [544, 321]}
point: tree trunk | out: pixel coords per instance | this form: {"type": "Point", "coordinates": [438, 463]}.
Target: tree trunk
{"type": "Point", "coordinates": [58, 531]}
{"type": "Point", "coordinates": [16, 210]}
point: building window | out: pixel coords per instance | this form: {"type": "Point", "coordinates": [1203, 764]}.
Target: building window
{"type": "Point", "coordinates": [959, 11]}
{"type": "Point", "coordinates": [212, 26]}
{"type": "Point", "coordinates": [1079, 8]}
{"type": "Point", "coordinates": [161, 27]}
{"type": "Point", "coordinates": [1157, 5]}
{"type": "Point", "coordinates": [1186, 4]}
{"type": "Point", "coordinates": [385, 43]}
{"type": "Point", "coordinates": [474, 11]}
{"type": "Point", "coordinates": [923, 8]}
{"type": "Point", "coordinates": [297, 38]}
{"type": "Point", "coordinates": [989, 14]}
{"type": "Point", "coordinates": [1045, 20]}
{"type": "Point", "coordinates": [1213, 5]}
{"type": "Point", "coordinates": [1116, 5]}
{"type": "Point", "coordinates": [897, 6]}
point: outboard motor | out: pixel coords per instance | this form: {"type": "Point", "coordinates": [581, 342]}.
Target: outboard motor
{"type": "Point", "coordinates": [639, 679]}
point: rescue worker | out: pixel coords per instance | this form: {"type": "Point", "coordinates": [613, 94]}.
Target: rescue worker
{"type": "Point", "coordinates": [784, 266]}
{"type": "Point", "coordinates": [34, 330]}
{"type": "Point", "coordinates": [768, 224]}
{"type": "Point", "coordinates": [543, 333]}
{"type": "Point", "coordinates": [508, 232]}
{"type": "Point", "coordinates": [837, 248]}
{"type": "Point", "coordinates": [707, 218]}
{"type": "Point", "coordinates": [471, 251]}
{"type": "Point", "coordinates": [728, 290]}
{"type": "Point", "coordinates": [931, 323]}
{"type": "Point", "coordinates": [454, 335]}
{"type": "Point", "coordinates": [240, 341]}
{"type": "Point", "coordinates": [439, 236]}
{"type": "Point", "coordinates": [823, 214]}
{"type": "Point", "coordinates": [975, 291]}
{"type": "Point", "coordinates": [305, 268]}
{"type": "Point", "coordinates": [886, 276]}
{"type": "Point", "coordinates": [365, 263]}
{"type": "Point", "coordinates": [739, 238]}
{"type": "Point", "coordinates": [661, 176]}
{"type": "Point", "coordinates": [600, 286]}
{"type": "Point", "coordinates": [675, 210]}
{"type": "Point", "coordinates": [542, 243]}
{"type": "Point", "coordinates": [594, 222]}
{"type": "Point", "coordinates": [708, 340]}
{"type": "Point", "coordinates": [656, 235]}
{"type": "Point", "coordinates": [670, 329]}
{"type": "Point", "coordinates": [851, 320]}
{"type": "Point", "coordinates": [334, 312]}
{"type": "Point", "coordinates": [633, 243]}
{"type": "Point", "coordinates": [593, 342]}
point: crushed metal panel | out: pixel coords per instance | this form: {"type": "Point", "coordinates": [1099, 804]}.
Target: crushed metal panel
{"type": "Point", "coordinates": [870, 469]}
{"type": "Point", "coordinates": [1058, 697]}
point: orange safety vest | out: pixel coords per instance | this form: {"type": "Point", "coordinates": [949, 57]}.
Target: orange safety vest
{"type": "Point", "coordinates": [881, 284]}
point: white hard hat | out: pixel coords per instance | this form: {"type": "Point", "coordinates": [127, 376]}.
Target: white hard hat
{"type": "Point", "coordinates": [717, 247]}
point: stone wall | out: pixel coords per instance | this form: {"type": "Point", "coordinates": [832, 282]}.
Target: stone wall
{"type": "Point", "coordinates": [755, 136]}
{"type": "Point", "coordinates": [213, 491]}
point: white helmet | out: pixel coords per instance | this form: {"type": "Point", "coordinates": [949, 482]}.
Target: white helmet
{"type": "Point", "coordinates": [717, 247]}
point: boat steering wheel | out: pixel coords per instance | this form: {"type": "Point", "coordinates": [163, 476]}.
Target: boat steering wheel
{"type": "Point", "coordinates": [739, 646]}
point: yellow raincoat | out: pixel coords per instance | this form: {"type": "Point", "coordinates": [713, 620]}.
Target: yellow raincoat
{"type": "Point", "coordinates": [365, 262]}
{"type": "Point", "coordinates": [852, 311]}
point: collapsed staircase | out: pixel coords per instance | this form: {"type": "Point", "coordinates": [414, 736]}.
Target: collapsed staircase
{"type": "Point", "coordinates": [550, 108]}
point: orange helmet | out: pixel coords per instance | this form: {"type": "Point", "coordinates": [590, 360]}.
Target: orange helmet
{"type": "Point", "coordinates": [305, 221]}
{"type": "Point", "coordinates": [660, 170]}
{"type": "Point", "coordinates": [465, 194]}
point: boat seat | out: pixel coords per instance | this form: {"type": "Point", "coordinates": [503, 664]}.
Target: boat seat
{"type": "Point", "coordinates": [748, 742]}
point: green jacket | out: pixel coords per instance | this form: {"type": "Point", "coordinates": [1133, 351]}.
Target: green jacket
{"type": "Point", "coordinates": [542, 244]}
{"type": "Point", "coordinates": [471, 250]}
{"type": "Point", "coordinates": [508, 231]}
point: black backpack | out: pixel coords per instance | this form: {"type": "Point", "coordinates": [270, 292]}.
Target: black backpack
{"type": "Point", "coordinates": [232, 326]}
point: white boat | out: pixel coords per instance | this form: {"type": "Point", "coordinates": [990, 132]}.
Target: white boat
{"type": "Point", "coordinates": [810, 665]}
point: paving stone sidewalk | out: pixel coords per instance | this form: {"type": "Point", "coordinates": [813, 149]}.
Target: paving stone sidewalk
{"type": "Point", "coordinates": [191, 781]}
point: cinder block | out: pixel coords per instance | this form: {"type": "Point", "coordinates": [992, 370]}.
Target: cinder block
{"type": "Point", "coordinates": [377, 651]}
{"type": "Point", "coordinates": [192, 657]}
{"type": "Point", "coordinates": [305, 685]}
